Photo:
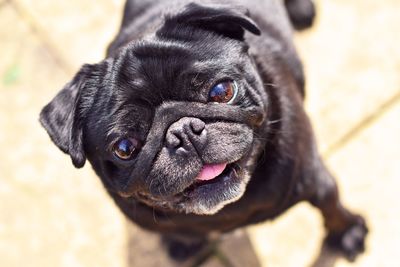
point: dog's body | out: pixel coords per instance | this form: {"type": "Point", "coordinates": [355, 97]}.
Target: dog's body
{"type": "Point", "coordinates": [259, 202]}
{"type": "Point", "coordinates": [263, 139]}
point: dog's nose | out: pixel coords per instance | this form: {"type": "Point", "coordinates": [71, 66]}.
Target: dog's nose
{"type": "Point", "coordinates": [186, 135]}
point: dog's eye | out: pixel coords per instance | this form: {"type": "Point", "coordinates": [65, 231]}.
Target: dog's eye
{"type": "Point", "coordinates": [224, 92]}
{"type": "Point", "coordinates": [125, 149]}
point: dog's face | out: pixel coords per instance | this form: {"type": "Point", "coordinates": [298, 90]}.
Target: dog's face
{"type": "Point", "coordinates": [170, 120]}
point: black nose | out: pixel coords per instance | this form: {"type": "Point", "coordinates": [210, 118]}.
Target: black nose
{"type": "Point", "coordinates": [187, 135]}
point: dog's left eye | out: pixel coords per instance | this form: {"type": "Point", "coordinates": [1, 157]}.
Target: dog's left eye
{"type": "Point", "coordinates": [224, 92]}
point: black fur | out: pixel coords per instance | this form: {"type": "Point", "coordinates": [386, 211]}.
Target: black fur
{"type": "Point", "coordinates": [154, 87]}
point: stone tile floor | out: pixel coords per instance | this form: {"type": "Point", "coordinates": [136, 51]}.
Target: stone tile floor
{"type": "Point", "coordinates": [54, 215]}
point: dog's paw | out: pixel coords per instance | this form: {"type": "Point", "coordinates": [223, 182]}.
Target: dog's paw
{"type": "Point", "coordinates": [351, 241]}
{"type": "Point", "coordinates": [301, 13]}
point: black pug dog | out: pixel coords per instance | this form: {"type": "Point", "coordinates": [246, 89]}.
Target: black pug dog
{"type": "Point", "coordinates": [196, 117]}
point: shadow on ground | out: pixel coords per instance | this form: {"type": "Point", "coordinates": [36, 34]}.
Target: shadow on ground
{"type": "Point", "coordinates": [234, 250]}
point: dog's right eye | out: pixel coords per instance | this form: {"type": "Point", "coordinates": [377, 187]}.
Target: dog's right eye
{"type": "Point", "coordinates": [127, 148]}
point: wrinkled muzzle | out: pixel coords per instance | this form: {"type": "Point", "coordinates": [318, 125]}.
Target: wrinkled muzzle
{"type": "Point", "coordinates": [186, 136]}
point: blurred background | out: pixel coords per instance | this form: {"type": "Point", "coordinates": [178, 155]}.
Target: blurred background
{"type": "Point", "coordinates": [54, 215]}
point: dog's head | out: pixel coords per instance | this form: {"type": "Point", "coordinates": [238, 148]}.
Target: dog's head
{"type": "Point", "coordinates": [169, 120]}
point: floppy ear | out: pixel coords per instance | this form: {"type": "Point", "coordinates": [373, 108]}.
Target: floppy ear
{"type": "Point", "coordinates": [62, 120]}
{"type": "Point", "coordinates": [230, 21]}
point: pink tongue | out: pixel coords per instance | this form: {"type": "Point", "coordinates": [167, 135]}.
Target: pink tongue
{"type": "Point", "coordinates": [211, 171]}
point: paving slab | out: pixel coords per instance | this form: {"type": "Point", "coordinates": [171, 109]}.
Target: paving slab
{"type": "Point", "coordinates": [79, 31]}
{"type": "Point", "coordinates": [293, 239]}
{"type": "Point", "coordinates": [144, 249]}
{"type": "Point", "coordinates": [50, 214]}
{"type": "Point", "coordinates": [237, 250]}
{"type": "Point", "coordinates": [352, 63]}
{"type": "Point", "coordinates": [368, 170]}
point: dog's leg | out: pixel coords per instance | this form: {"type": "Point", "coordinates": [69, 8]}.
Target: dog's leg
{"type": "Point", "coordinates": [182, 249]}
{"type": "Point", "coordinates": [301, 13]}
{"type": "Point", "coordinates": [346, 230]}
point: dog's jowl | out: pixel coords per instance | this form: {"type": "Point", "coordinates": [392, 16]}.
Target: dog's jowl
{"type": "Point", "coordinates": [196, 114]}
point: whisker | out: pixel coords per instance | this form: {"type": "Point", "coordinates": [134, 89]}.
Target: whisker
{"type": "Point", "coordinates": [271, 84]}
{"type": "Point", "coordinates": [154, 216]}
{"type": "Point", "coordinates": [274, 121]}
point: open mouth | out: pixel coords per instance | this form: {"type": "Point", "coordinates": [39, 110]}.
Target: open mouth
{"type": "Point", "coordinates": [214, 186]}
{"type": "Point", "coordinates": [213, 175]}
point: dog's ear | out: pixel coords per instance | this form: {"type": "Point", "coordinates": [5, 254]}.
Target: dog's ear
{"type": "Point", "coordinates": [230, 21]}
{"type": "Point", "coordinates": [62, 118]}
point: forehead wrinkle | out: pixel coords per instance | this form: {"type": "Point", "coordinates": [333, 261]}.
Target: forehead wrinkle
{"type": "Point", "coordinates": [157, 48]}
{"type": "Point", "coordinates": [211, 66]}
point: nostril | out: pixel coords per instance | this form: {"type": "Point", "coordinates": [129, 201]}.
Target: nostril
{"type": "Point", "coordinates": [181, 151]}
{"type": "Point", "coordinates": [197, 126]}
{"type": "Point", "coordinates": [186, 136]}
{"type": "Point", "coordinates": [173, 141]}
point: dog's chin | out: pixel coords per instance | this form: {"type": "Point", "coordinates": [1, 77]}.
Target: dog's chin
{"type": "Point", "coordinates": [204, 197]}
{"type": "Point", "coordinates": [208, 197]}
